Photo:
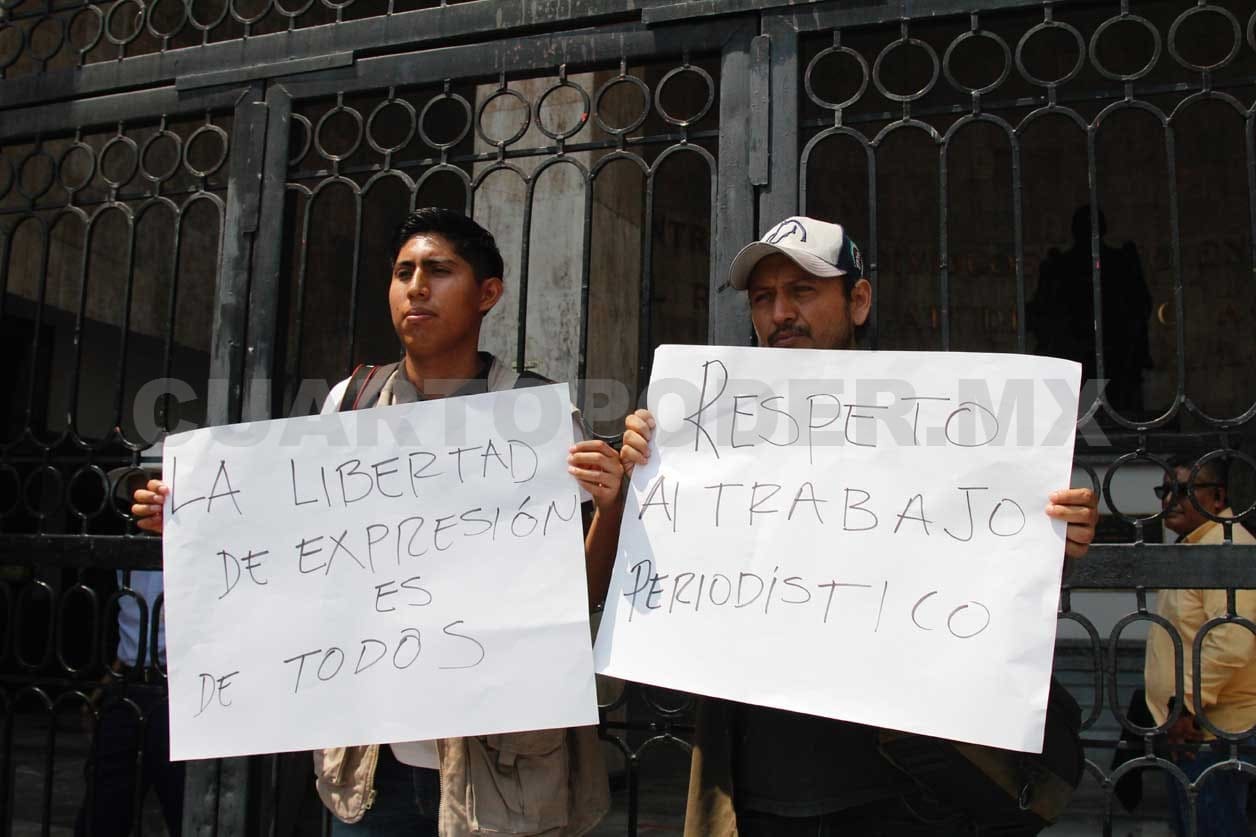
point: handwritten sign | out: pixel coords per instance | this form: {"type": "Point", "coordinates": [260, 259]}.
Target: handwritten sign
{"type": "Point", "coordinates": [857, 535]}
{"type": "Point", "coordinates": [395, 574]}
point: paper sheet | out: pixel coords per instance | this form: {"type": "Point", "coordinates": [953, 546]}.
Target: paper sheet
{"type": "Point", "coordinates": [395, 574]}
{"type": "Point", "coordinates": [857, 535]}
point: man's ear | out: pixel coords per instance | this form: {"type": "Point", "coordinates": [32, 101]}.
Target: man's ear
{"type": "Point", "coordinates": [491, 290]}
{"type": "Point", "coordinates": [860, 301]}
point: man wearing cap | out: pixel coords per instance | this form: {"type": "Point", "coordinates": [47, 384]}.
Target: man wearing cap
{"type": "Point", "coordinates": [760, 771]}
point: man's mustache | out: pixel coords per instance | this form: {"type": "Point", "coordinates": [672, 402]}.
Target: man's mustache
{"type": "Point", "coordinates": [785, 332]}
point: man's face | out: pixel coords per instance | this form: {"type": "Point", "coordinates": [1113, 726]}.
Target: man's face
{"type": "Point", "coordinates": [436, 302]}
{"type": "Point", "coordinates": [790, 308]}
{"type": "Point", "coordinates": [1180, 514]}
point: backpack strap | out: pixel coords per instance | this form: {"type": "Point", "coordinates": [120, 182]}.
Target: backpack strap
{"type": "Point", "coordinates": [348, 401]}
{"type": "Point", "coordinates": [365, 385]}
{"type": "Point", "coordinates": [527, 379]}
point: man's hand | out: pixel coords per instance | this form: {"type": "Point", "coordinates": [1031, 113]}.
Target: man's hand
{"type": "Point", "coordinates": [597, 467]}
{"type": "Point", "coordinates": [638, 428]}
{"type": "Point", "coordinates": [148, 503]}
{"type": "Point", "coordinates": [1185, 730]}
{"type": "Point", "coordinates": [1079, 508]}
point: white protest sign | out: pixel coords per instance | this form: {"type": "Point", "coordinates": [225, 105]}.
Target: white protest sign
{"type": "Point", "coordinates": [394, 574]}
{"type": "Point", "coordinates": [856, 535]}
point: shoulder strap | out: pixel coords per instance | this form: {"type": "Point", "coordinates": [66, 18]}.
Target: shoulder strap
{"type": "Point", "coordinates": [360, 375]}
{"type": "Point", "coordinates": [365, 385]}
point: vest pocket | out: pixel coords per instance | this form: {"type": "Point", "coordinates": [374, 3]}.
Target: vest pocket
{"type": "Point", "coordinates": [518, 782]}
{"type": "Point", "coordinates": [330, 764]}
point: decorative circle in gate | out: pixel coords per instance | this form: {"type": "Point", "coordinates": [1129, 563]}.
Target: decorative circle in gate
{"type": "Point", "coordinates": [172, 152]}
{"type": "Point", "coordinates": [1050, 26]}
{"type": "Point", "coordinates": [970, 36]}
{"type": "Point", "coordinates": [241, 14]}
{"type": "Point", "coordinates": [293, 13]}
{"type": "Point", "coordinates": [50, 33]}
{"type": "Point", "coordinates": [1108, 24]}
{"type": "Point", "coordinates": [1118, 464]}
{"type": "Point", "coordinates": [701, 112]}
{"type": "Point", "coordinates": [1236, 30]}
{"type": "Point", "coordinates": [85, 45]}
{"type": "Point", "coordinates": [307, 137]}
{"type": "Point", "coordinates": [160, 10]}
{"type": "Point", "coordinates": [105, 492]}
{"type": "Point", "coordinates": [813, 65]}
{"type": "Point", "coordinates": [119, 160]}
{"type": "Point", "coordinates": [12, 41]}
{"type": "Point", "coordinates": [906, 41]}
{"type": "Point", "coordinates": [320, 142]}
{"type": "Point", "coordinates": [525, 109]}
{"type": "Point", "coordinates": [50, 499]}
{"type": "Point", "coordinates": [35, 174]}
{"type": "Point", "coordinates": [563, 133]}
{"type": "Point", "coordinates": [657, 698]}
{"type": "Point", "coordinates": [1221, 453]}
{"type": "Point", "coordinates": [638, 120]}
{"type": "Point", "coordinates": [216, 16]}
{"type": "Point", "coordinates": [462, 132]}
{"type": "Point", "coordinates": [78, 159]}
{"type": "Point", "coordinates": [131, 15]}
{"type": "Point", "coordinates": [377, 142]}
{"type": "Point", "coordinates": [200, 144]}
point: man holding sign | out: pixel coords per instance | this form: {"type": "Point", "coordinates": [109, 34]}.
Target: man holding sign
{"type": "Point", "coordinates": [446, 276]}
{"type": "Point", "coordinates": [835, 589]}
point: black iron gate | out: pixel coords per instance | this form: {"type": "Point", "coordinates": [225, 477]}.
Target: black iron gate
{"type": "Point", "coordinates": [163, 160]}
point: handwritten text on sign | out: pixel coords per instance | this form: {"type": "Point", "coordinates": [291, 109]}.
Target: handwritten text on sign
{"type": "Point", "coordinates": [858, 535]}
{"type": "Point", "coordinates": [394, 574]}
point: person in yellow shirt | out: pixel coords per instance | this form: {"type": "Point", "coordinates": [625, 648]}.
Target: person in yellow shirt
{"type": "Point", "coordinates": [1227, 683]}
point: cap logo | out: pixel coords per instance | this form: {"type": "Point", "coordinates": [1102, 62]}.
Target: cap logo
{"type": "Point", "coordinates": [785, 229]}
{"type": "Point", "coordinates": [859, 264]}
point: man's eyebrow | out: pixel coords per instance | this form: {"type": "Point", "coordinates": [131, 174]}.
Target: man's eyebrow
{"type": "Point", "coordinates": [436, 261]}
{"type": "Point", "coordinates": [793, 281]}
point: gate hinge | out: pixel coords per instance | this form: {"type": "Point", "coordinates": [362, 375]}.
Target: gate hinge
{"type": "Point", "coordinates": [760, 113]}
{"type": "Point", "coordinates": [252, 145]}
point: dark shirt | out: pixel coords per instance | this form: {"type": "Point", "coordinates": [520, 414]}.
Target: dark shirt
{"type": "Point", "coordinates": [795, 765]}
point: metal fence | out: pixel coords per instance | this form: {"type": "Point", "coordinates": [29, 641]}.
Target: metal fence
{"type": "Point", "coordinates": [196, 191]}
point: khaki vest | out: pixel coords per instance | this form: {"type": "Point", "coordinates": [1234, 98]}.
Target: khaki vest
{"type": "Point", "coordinates": [543, 783]}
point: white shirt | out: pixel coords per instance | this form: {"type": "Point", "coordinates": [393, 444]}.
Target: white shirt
{"type": "Point", "coordinates": [147, 585]}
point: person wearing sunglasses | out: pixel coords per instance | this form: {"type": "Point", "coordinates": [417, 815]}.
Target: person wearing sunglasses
{"type": "Point", "coordinates": [1227, 684]}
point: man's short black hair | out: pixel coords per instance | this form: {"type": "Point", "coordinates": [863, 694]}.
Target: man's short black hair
{"type": "Point", "coordinates": [864, 329]}
{"type": "Point", "coordinates": [474, 244]}
{"type": "Point", "coordinates": [1213, 471]}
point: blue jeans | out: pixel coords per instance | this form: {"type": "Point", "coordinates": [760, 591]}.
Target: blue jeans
{"type": "Point", "coordinates": [1220, 807]}
{"type": "Point", "coordinates": [407, 801]}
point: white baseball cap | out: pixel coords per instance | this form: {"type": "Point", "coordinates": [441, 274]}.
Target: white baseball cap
{"type": "Point", "coordinates": [818, 247]}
